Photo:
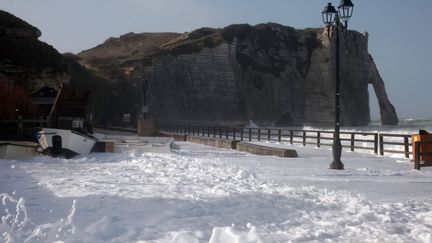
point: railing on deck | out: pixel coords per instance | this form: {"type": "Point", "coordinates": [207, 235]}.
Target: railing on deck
{"type": "Point", "coordinates": [377, 142]}
{"type": "Point", "coordinates": [21, 124]}
{"type": "Point", "coordinates": [123, 129]}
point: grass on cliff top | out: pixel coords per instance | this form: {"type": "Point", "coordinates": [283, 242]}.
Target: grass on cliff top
{"type": "Point", "coordinates": [130, 44]}
{"type": "Point", "coordinates": [265, 39]}
{"type": "Point", "coordinates": [196, 40]}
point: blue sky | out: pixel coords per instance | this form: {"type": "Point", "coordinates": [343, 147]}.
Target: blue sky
{"type": "Point", "coordinates": [400, 35]}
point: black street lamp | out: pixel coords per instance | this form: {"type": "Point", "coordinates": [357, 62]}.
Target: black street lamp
{"type": "Point", "coordinates": [331, 19]}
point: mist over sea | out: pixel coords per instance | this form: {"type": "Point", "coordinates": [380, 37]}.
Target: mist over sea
{"type": "Point", "coordinates": [405, 126]}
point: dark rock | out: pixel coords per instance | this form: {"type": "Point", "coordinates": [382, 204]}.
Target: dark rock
{"type": "Point", "coordinates": [26, 61]}
{"type": "Point", "coordinates": [268, 73]}
{"type": "Point", "coordinates": [11, 26]}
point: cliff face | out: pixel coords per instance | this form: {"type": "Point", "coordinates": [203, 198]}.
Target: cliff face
{"type": "Point", "coordinates": [27, 64]}
{"type": "Point", "coordinates": [268, 73]}
{"type": "Point", "coordinates": [26, 61]}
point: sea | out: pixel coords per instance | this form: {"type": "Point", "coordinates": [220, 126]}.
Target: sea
{"type": "Point", "coordinates": [405, 126]}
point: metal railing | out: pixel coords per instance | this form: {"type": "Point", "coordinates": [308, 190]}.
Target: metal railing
{"type": "Point", "coordinates": [22, 124]}
{"type": "Point", "coordinates": [377, 142]}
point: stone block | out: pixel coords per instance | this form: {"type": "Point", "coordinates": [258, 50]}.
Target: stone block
{"type": "Point", "coordinates": [104, 147]}
{"type": "Point", "coordinates": [146, 127]}
{"type": "Point", "coordinates": [216, 142]}
{"type": "Point", "coordinates": [266, 150]}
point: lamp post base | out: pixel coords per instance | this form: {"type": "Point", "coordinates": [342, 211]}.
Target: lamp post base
{"type": "Point", "coordinates": [337, 152]}
{"type": "Point", "coordinates": [337, 165]}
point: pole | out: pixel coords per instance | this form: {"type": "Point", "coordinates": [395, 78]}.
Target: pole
{"type": "Point", "coordinates": [337, 146]}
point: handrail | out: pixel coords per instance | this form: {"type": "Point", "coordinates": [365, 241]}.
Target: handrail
{"type": "Point", "coordinates": [115, 128]}
{"type": "Point", "coordinates": [377, 142]}
{"type": "Point", "coordinates": [26, 121]}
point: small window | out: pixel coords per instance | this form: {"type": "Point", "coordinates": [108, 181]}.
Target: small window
{"type": "Point", "coordinates": [126, 117]}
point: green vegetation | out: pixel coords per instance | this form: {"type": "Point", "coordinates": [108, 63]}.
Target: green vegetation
{"type": "Point", "coordinates": [196, 45]}
{"type": "Point", "coordinates": [254, 43]}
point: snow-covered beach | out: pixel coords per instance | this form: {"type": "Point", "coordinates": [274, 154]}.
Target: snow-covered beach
{"type": "Point", "coordinates": [206, 194]}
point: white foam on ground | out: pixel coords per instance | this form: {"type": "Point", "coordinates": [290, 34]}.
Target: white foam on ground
{"type": "Point", "coordinates": [203, 194]}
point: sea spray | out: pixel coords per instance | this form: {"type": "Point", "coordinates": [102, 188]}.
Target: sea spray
{"type": "Point", "coordinates": [17, 227]}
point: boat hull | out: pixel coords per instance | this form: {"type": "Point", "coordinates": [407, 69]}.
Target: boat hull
{"type": "Point", "coordinates": [71, 143]}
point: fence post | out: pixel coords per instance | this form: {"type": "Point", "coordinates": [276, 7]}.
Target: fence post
{"type": "Point", "coordinates": [352, 141]}
{"type": "Point", "coordinates": [406, 147]}
{"type": "Point", "coordinates": [241, 134]}
{"type": "Point", "coordinates": [214, 132]}
{"type": "Point", "coordinates": [279, 136]}
{"type": "Point", "coordinates": [376, 143]}
{"type": "Point", "coordinates": [259, 134]}
{"type": "Point", "coordinates": [250, 134]}
{"type": "Point", "coordinates": [268, 134]}
{"type": "Point", "coordinates": [291, 137]}
{"type": "Point", "coordinates": [417, 156]}
{"type": "Point", "coordinates": [381, 144]}
{"type": "Point", "coordinates": [318, 139]}
{"type": "Point", "coordinates": [227, 132]}
{"type": "Point", "coordinates": [304, 138]}
{"type": "Point", "coordinates": [234, 133]}
{"type": "Point", "coordinates": [220, 132]}
{"type": "Point", "coordinates": [208, 131]}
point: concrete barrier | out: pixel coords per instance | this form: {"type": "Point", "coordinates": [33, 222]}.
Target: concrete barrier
{"type": "Point", "coordinates": [265, 150]}
{"type": "Point", "coordinates": [177, 137]}
{"type": "Point", "coordinates": [216, 142]}
{"type": "Point", "coordinates": [145, 127]}
{"type": "Point", "coordinates": [234, 144]}
{"type": "Point", "coordinates": [103, 147]}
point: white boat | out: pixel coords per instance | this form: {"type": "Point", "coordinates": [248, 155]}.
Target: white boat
{"type": "Point", "coordinates": [60, 142]}
{"type": "Point", "coordinates": [17, 149]}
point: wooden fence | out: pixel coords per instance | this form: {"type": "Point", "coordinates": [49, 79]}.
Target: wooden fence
{"type": "Point", "coordinates": [377, 142]}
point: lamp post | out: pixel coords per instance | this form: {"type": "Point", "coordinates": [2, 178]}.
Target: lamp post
{"type": "Point", "coordinates": [331, 19]}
